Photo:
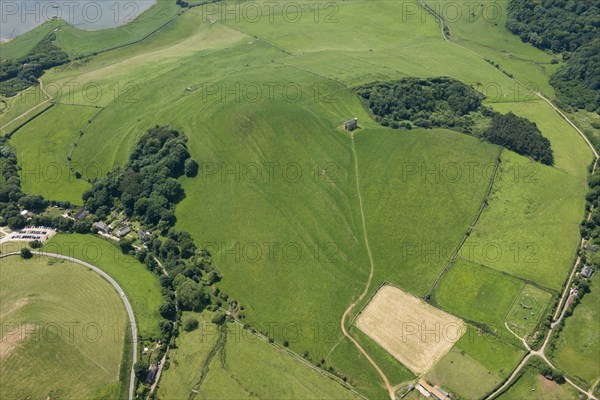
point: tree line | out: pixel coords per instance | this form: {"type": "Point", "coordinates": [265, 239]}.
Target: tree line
{"type": "Point", "coordinates": [444, 102]}
{"type": "Point", "coordinates": [17, 75]}
{"type": "Point", "coordinates": [570, 27]}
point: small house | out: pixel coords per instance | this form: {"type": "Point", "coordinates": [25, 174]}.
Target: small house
{"type": "Point", "coordinates": [592, 248]}
{"type": "Point", "coordinates": [586, 271]}
{"type": "Point", "coordinates": [351, 125]}
{"type": "Point", "coordinates": [144, 236]}
{"type": "Point", "coordinates": [152, 371]}
{"type": "Point", "coordinates": [81, 214]}
{"type": "Point", "coordinates": [102, 227]}
{"type": "Point", "coordinates": [122, 231]}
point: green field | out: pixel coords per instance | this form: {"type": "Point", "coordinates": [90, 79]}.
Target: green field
{"type": "Point", "coordinates": [481, 29]}
{"type": "Point", "coordinates": [13, 110]}
{"type": "Point", "coordinates": [59, 314]}
{"type": "Point", "coordinates": [478, 293]}
{"type": "Point", "coordinates": [532, 385]}
{"type": "Point", "coordinates": [43, 158]}
{"type": "Point", "coordinates": [237, 364]}
{"type": "Point", "coordinates": [526, 311]}
{"type": "Point", "coordinates": [475, 365]}
{"type": "Point", "coordinates": [530, 228]}
{"type": "Point", "coordinates": [277, 196]}
{"type": "Point", "coordinates": [140, 285]}
{"type": "Point", "coordinates": [579, 337]}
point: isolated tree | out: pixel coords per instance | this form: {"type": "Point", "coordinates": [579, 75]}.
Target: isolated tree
{"type": "Point", "coordinates": [189, 323]}
{"type": "Point", "coordinates": [26, 253]}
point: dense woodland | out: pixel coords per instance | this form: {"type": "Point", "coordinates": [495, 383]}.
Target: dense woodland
{"type": "Point", "coordinates": [447, 103]}
{"type": "Point", "coordinates": [521, 136]}
{"type": "Point", "coordinates": [147, 186]}
{"type": "Point", "coordinates": [17, 75]}
{"type": "Point", "coordinates": [435, 102]}
{"type": "Point", "coordinates": [577, 83]}
{"type": "Point", "coordinates": [571, 27]}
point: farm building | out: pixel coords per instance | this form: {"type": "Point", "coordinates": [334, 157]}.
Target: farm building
{"type": "Point", "coordinates": [427, 390]}
{"type": "Point", "coordinates": [591, 248]}
{"type": "Point", "coordinates": [586, 271]}
{"type": "Point", "coordinates": [102, 227]}
{"type": "Point", "coordinates": [351, 125]}
{"type": "Point", "coordinates": [122, 231]}
{"type": "Point", "coordinates": [152, 371]}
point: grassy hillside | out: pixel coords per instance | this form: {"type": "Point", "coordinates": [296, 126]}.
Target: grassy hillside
{"type": "Point", "coordinates": [43, 157]}
{"type": "Point", "coordinates": [531, 212]}
{"type": "Point", "coordinates": [276, 199]}
{"type": "Point", "coordinates": [59, 313]}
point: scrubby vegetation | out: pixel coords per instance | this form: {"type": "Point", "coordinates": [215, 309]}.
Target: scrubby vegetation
{"type": "Point", "coordinates": [19, 74]}
{"type": "Point", "coordinates": [570, 27]}
{"type": "Point", "coordinates": [447, 103]}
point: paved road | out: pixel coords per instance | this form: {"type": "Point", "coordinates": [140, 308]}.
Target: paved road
{"type": "Point", "coordinates": [119, 290]}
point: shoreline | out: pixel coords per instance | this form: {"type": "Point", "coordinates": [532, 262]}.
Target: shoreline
{"type": "Point", "coordinates": [75, 25]}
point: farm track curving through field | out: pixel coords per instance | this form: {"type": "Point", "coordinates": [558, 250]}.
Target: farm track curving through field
{"type": "Point", "coordinates": [119, 291]}
{"type": "Point", "coordinates": [389, 387]}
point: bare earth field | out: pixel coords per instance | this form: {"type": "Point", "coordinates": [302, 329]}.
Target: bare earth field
{"type": "Point", "coordinates": [414, 332]}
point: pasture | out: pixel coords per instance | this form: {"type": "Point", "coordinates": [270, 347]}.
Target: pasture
{"type": "Point", "coordinates": [12, 109]}
{"type": "Point", "coordinates": [289, 241]}
{"type": "Point", "coordinates": [527, 309]}
{"type": "Point", "coordinates": [140, 285]}
{"type": "Point", "coordinates": [43, 157]}
{"type": "Point", "coordinates": [530, 228]}
{"type": "Point", "coordinates": [478, 293]}
{"type": "Point", "coordinates": [481, 29]}
{"type": "Point", "coordinates": [476, 364]}
{"type": "Point", "coordinates": [533, 386]}
{"type": "Point", "coordinates": [59, 321]}
{"type": "Point", "coordinates": [578, 345]}
{"type": "Point", "coordinates": [234, 363]}
{"type": "Point", "coordinates": [415, 333]}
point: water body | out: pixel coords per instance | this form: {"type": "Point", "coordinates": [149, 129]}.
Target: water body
{"type": "Point", "coordinates": [20, 16]}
